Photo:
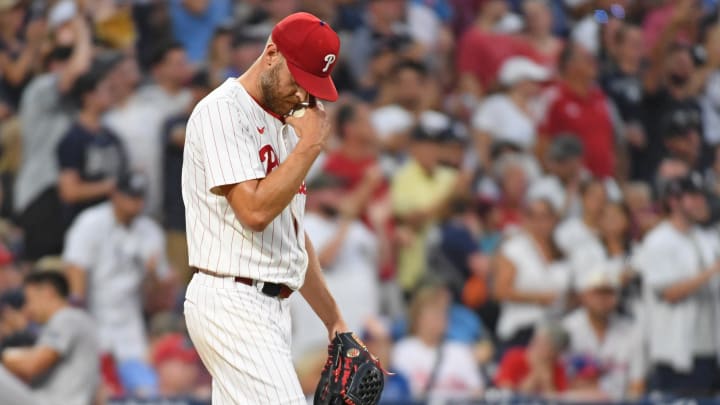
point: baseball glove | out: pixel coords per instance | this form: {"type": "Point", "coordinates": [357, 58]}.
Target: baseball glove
{"type": "Point", "coordinates": [352, 375]}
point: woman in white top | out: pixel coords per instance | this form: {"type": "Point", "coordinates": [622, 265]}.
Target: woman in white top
{"type": "Point", "coordinates": [610, 252]}
{"type": "Point", "coordinates": [437, 369]}
{"type": "Point", "coordinates": [510, 117]}
{"type": "Point", "coordinates": [532, 279]}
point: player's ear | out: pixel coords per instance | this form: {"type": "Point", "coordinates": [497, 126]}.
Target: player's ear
{"type": "Point", "coordinates": [271, 53]}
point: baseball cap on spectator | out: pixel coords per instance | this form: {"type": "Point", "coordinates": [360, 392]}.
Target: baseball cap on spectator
{"type": "Point", "coordinates": [680, 121]}
{"type": "Point", "coordinates": [565, 147]}
{"type": "Point", "coordinates": [391, 120]}
{"type": "Point", "coordinates": [311, 49]}
{"type": "Point", "coordinates": [420, 133]}
{"type": "Point", "coordinates": [519, 68]}
{"type": "Point", "coordinates": [596, 278]}
{"type": "Point", "coordinates": [455, 132]}
{"type": "Point", "coordinates": [682, 185]}
{"type": "Point", "coordinates": [61, 12]}
{"type": "Point", "coordinates": [133, 185]}
{"type": "Point", "coordinates": [174, 347]}
{"type": "Point", "coordinates": [13, 299]}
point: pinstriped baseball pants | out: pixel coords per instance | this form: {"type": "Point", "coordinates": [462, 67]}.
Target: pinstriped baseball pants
{"type": "Point", "coordinates": [243, 337]}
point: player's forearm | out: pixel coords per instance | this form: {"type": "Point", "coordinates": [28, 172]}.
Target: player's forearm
{"type": "Point", "coordinates": [256, 204]}
{"type": "Point", "coordinates": [316, 292]}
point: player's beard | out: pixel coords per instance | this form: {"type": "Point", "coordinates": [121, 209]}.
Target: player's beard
{"type": "Point", "coordinates": [272, 98]}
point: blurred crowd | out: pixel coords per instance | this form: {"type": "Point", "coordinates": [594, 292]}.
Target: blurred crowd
{"type": "Point", "coordinates": [521, 197]}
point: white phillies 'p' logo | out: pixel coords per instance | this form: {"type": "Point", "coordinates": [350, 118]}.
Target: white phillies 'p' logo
{"type": "Point", "coordinates": [329, 59]}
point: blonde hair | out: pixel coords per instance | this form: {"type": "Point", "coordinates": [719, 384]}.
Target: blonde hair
{"type": "Point", "coordinates": [424, 297]}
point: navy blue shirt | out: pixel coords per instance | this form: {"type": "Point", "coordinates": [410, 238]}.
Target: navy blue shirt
{"type": "Point", "coordinates": [173, 206]}
{"type": "Point", "coordinates": [95, 157]}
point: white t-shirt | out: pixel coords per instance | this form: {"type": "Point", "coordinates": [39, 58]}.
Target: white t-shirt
{"type": "Point", "coordinates": [139, 124]}
{"type": "Point", "coordinates": [423, 24]}
{"type": "Point", "coordinates": [352, 280]}
{"type": "Point", "coordinates": [458, 375]}
{"type": "Point", "coordinates": [499, 116]}
{"type": "Point", "coordinates": [115, 258]}
{"type": "Point", "coordinates": [668, 256]}
{"type": "Point", "coordinates": [620, 353]}
{"type": "Point", "coordinates": [573, 232]}
{"type": "Point", "coordinates": [532, 274]}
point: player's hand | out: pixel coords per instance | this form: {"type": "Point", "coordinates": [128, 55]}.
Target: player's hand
{"type": "Point", "coordinates": [313, 128]}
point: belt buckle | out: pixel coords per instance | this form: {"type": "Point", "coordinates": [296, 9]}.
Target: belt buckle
{"type": "Point", "coordinates": [270, 289]}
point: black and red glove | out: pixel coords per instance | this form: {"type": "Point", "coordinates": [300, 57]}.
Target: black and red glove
{"type": "Point", "coordinates": [352, 375]}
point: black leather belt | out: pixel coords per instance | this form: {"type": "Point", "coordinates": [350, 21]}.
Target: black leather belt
{"type": "Point", "coordinates": [270, 289]}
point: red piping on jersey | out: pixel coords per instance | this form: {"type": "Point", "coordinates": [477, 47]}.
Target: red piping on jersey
{"type": "Point", "coordinates": [278, 117]}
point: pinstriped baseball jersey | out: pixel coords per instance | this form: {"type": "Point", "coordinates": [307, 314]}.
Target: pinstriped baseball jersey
{"type": "Point", "coordinates": [230, 138]}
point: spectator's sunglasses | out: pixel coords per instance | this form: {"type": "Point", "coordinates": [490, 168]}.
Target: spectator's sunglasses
{"type": "Point", "coordinates": [603, 16]}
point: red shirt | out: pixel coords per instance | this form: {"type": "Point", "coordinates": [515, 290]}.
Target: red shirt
{"type": "Point", "coordinates": [514, 368]}
{"type": "Point", "coordinates": [588, 117]}
{"type": "Point", "coordinates": [351, 171]}
{"type": "Point", "coordinates": [483, 53]}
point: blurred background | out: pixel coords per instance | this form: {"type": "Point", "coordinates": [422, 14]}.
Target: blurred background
{"type": "Point", "coordinates": [520, 200]}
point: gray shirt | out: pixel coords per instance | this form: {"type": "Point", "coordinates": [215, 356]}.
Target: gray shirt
{"type": "Point", "coordinates": [74, 379]}
{"type": "Point", "coordinates": [44, 119]}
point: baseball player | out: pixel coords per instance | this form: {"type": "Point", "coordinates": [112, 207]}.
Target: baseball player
{"type": "Point", "coordinates": [249, 145]}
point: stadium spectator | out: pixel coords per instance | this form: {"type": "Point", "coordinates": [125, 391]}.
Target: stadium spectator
{"type": "Point", "coordinates": [681, 136]}
{"type": "Point", "coordinates": [607, 361]}
{"type": "Point", "coordinates": [44, 118]}
{"type": "Point", "coordinates": [531, 280]}
{"type": "Point", "coordinates": [20, 52]}
{"type": "Point", "coordinates": [457, 254]}
{"type": "Point", "coordinates": [108, 274]}
{"type": "Point", "coordinates": [383, 28]}
{"type": "Point", "coordinates": [575, 231]}
{"type": "Point", "coordinates": [565, 173]}
{"type": "Point", "coordinates": [481, 50]}
{"type": "Point", "coordinates": [347, 249]}
{"type": "Point", "coordinates": [537, 369]}
{"type": "Point", "coordinates": [538, 31]}
{"type": "Point", "coordinates": [405, 99]}
{"type": "Point", "coordinates": [139, 122]}
{"type": "Point", "coordinates": [710, 99]}
{"type": "Point", "coordinates": [194, 23]}
{"type": "Point", "coordinates": [669, 86]}
{"type": "Point", "coordinates": [622, 81]}
{"type": "Point", "coordinates": [435, 368]}
{"type": "Point", "coordinates": [178, 368]}
{"type": "Point", "coordinates": [679, 267]}
{"type": "Point", "coordinates": [578, 106]}
{"type": "Point", "coordinates": [513, 173]}
{"type": "Point", "coordinates": [90, 156]}
{"type": "Point", "coordinates": [62, 367]}
{"type": "Point", "coordinates": [173, 206]}
{"type": "Point", "coordinates": [510, 117]}
{"type": "Point", "coordinates": [420, 191]}
{"type": "Point", "coordinates": [219, 57]}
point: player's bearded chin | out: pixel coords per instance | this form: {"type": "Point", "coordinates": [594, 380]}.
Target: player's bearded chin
{"type": "Point", "coordinates": [272, 99]}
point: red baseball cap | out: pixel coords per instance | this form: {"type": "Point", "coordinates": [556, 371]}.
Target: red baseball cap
{"type": "Point", "coordinates": [311, 49]}
{"type": "Point", "coordinates": [174, 347]}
